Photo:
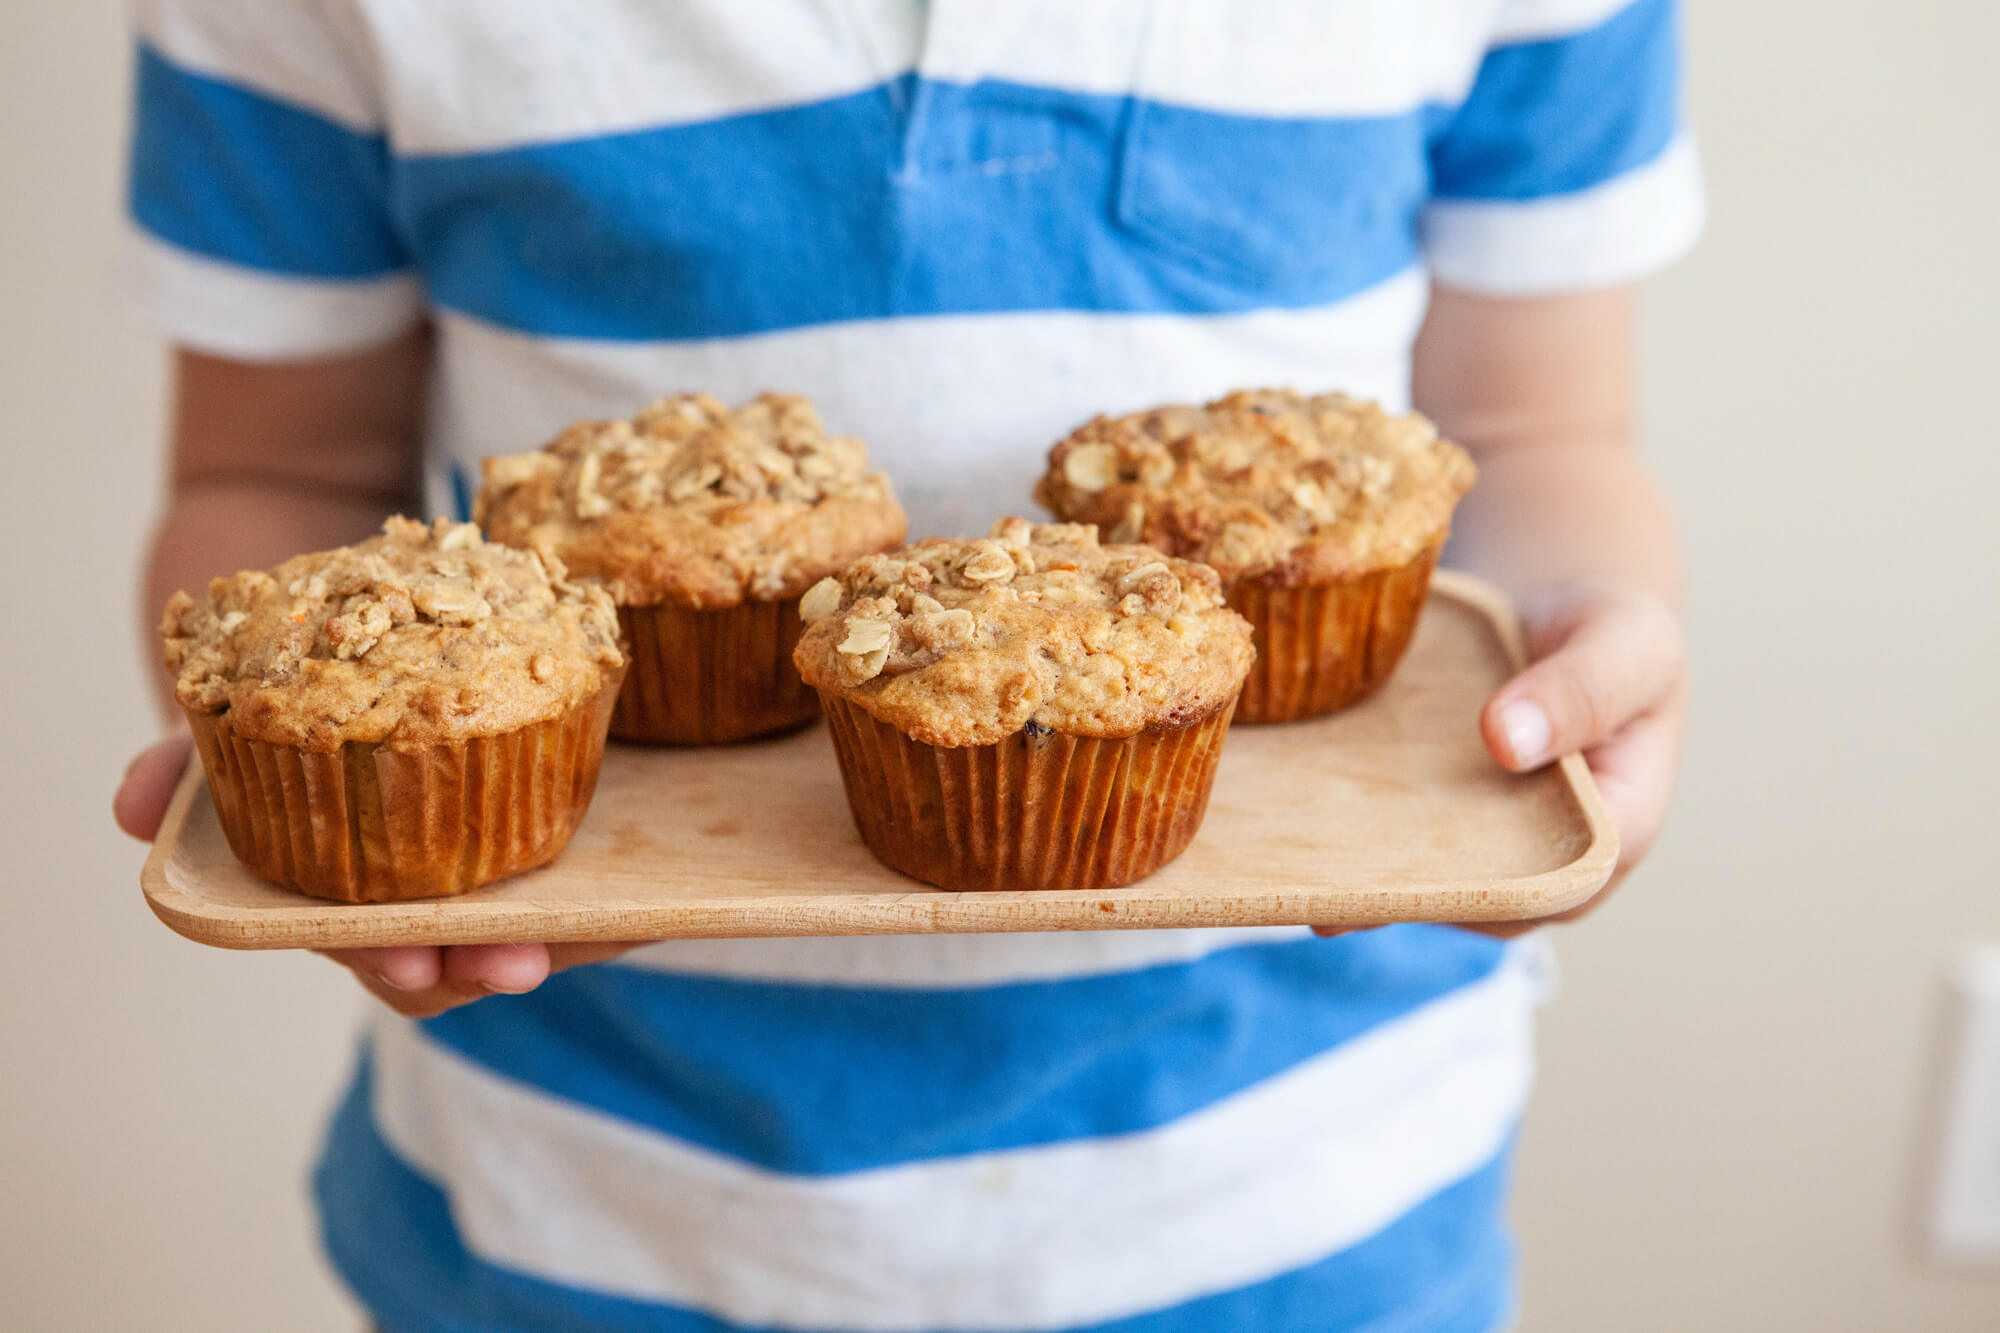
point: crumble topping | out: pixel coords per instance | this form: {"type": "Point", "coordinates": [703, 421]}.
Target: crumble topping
{"type": "Point", "coordinates": [1264, 482]}
{"type": "Point", "coordinates": [963, 642]}
{"type": "Point", "coordinates": [690, 501]}
{"type": "Point", "coordinates": [423, 633]}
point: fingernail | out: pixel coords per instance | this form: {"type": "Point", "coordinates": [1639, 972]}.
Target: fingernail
{"type": "Point", "coordinates": [1526, 727]}
{"type": "Point", "coordinates": [389, 981]}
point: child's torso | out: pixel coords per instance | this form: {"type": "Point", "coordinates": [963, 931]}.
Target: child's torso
{"type": "Point", "coordinates": [960, 237]}
{"type": "Point", "coordinates": [1257, 1129]}
{"type": "Point", "coordinates": [961, 240]}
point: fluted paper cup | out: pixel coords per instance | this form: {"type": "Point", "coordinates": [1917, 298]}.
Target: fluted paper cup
{"type": "Point", "coordinates": [366, 823]}
{"type": "Point", "coordinates": [1034, 811]}
{"type": "Point", "coordinates": [1323, 646]}
{"type": "Point", "coordinates": [711, 677]}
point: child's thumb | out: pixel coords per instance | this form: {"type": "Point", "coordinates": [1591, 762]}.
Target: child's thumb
{"type": "Point", "coordinates": [1606, 664]}
{"type": "Point", "coordinates": [148, 784]}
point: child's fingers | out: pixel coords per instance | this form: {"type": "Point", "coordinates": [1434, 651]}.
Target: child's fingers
{"type": "Point", "coordinates": [414, 1004]}
{"type": "Point", "coordinates": [1609, 659]}
{"type": "Point", "coordinates": [422, 982]}
{"type": "Point", "coordinates": [497, 969]}
{"type": "Point", "coordinates": [1634, 771]}
{"type": "Point", "coordinates": [409, 969]}
{"type": "Point", "coordinates": [408, 979]}
{"type": "Point", "coordinates": [148, 784]}
{"type": "Point", "coordinates": [1610, 681]}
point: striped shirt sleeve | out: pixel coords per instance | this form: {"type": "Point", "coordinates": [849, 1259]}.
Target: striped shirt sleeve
{"type": "Point", "coordinates": [1569, 165]}
{"type": "Point", "coordinates": [258, 186]}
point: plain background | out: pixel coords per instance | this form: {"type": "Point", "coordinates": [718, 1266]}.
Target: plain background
{"type": "Point", "coordinates": [1730, 1121]}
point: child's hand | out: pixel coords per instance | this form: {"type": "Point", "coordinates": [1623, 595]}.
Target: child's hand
{"type": "Point", "coordinates": [1609, 678]}
{"type": "Point", "coordinates": [415, 981]}
{"type": "Point", "coordinates": [271, 458]}
{"type": "Point", "coordinates": [420, 981]}
{"type": "Point", "coordinates": [148, 784]}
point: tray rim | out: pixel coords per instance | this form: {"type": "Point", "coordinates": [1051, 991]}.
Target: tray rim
{"type": "Point", "coordinates": [919, 910]}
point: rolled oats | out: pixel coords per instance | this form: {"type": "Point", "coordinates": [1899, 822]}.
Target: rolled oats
{"type": "Point", "coordinates": [423, 634]}
{"type": "Point", "coordinates": [450, 537]}
{"type": "Point", "coordinates": [820, 601]}
{"type": "Point", "coordinates": [1091, 467]}
{"type": "Point", "coordinates": [989, 564]}
{"type": "Point", "coordinates": [450, 601]}
{"type": "Point", "coordinates": [1323, 486]}
{"type": "Point", "coordinates": [1131, 525]}
{"type": "Point", "coordinates": [693, 502]}
{"type": "Point", "coordinates": [866, 636]}
{"type": "Point", "coordinates": [1078, 637]}
{"type": "Point", "coordinates": [1133, 579]}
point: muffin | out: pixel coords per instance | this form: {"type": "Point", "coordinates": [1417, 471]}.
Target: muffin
{"type": "Point", "coordinates": [1324, 516]}
{"type": "Point", "coordinates": [706, 525]}
{"type": "Point", "coordinates": [1028, 711]}
{"type": "Point", "coordinates": [411, 716]}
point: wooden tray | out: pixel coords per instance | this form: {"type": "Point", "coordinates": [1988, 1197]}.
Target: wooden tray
{"type": "Point", "coordinates": [1391, 811]}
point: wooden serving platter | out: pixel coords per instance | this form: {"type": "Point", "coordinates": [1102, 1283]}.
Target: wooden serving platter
{"type": "Point", "coordinates": [1390, 811]}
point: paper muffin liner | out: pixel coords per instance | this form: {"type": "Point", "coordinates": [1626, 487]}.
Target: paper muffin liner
{"type": "Point", "coordinates": [711, 677]}
{"type": "Point", "coordinates": [365, 823]}
{"type": "Point", "coordinates": [1043, 811]}
{"type": "Point", "coordinates": [1323, 646]}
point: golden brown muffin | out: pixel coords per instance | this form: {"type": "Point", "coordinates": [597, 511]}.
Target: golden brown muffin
{"type": "Point", "coordinates": [1031, 710]}
{"type": "Point", "coordinates": [1324, 516]}
{"type": "Point", "coordinates": [413, 715]}
{"type": "Point", "coordinates": [706, 524]}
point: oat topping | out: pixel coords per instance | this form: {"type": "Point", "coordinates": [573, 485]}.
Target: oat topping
{"type": "Point", "coordinates": [965, 642]}
{"type": "Point", "coordinates": [1264, 482]}
{"type": "Point", "coordinates": [689, 501]}
{"type": "Point", "coordinates": [421, 634]}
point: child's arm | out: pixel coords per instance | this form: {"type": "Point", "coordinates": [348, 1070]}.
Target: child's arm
{"type": "Point", "coordinates": [268, 460]}
{"type": "Point", "coordinates": [1568, 520]}
{"type": "Point", "coordinates": [265, 461]}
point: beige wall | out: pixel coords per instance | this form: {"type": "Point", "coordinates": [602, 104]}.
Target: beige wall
{"type": "Point", "coordinates": [157, 1100]}
{"type": "Point", "coordinates": [1727, 1123]}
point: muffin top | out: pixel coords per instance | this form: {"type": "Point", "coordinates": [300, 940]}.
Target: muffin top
{"type": "Point", "coordinates": [1035, 626]}
{"type": "Point", "coordinates": [1266, 482]}
{"type": "Point", "coordinates": [425, 634]}
{"type": "Point", "coordinates": [692, 503]}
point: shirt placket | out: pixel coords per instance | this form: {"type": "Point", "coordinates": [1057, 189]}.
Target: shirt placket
{"type": "Point", "coordinates": [944, 39]}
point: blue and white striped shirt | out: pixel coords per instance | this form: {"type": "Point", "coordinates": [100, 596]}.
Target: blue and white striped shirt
{"type": "Point", "coordinates": [961, 228]}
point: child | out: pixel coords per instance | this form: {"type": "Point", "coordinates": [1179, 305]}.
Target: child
{"type": "Point", "coordinates": [390, 238]}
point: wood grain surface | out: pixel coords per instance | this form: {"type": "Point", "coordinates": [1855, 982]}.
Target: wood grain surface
{"type": "Point", "coordinates": [1390, 811]}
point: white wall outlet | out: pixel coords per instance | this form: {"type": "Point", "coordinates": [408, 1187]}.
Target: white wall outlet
{"type": "Point", "coordinates": [1962, 1220]}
